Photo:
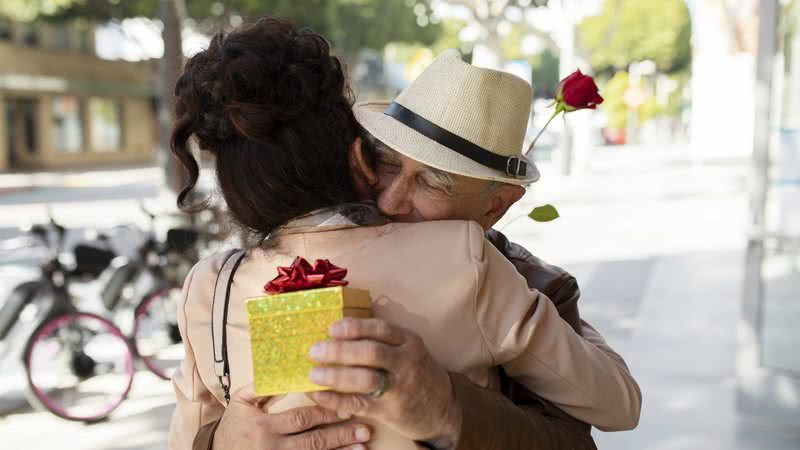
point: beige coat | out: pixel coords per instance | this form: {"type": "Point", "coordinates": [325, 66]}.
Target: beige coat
{"type": "Point", "coordinates": [442, 280]}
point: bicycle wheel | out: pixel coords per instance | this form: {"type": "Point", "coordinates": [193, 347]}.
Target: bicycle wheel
{"type": "Point", "coordinates": [79, 367]}
{"type": "Point", "coordinates": [155, 332]}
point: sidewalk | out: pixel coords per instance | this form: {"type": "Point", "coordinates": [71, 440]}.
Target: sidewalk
{"type": "Point", "coordinates": [657, 245]}
{"type": "Point", "coordinates": [23, 181]}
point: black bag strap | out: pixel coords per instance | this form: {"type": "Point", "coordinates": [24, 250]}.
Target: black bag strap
{"type": "Point", "coordinates": [219, 319]}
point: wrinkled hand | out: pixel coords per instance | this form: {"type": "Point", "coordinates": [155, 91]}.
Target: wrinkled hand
{"type": "Point", "coordinates": [419, 401]}
{"type": "Point", "coordinates": [244, 426]}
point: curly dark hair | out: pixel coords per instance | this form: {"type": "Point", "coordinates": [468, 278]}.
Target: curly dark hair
{"type": "Point", "coordinates": [274, 107]}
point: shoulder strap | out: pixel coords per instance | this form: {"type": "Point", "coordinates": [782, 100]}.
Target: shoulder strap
{"type": "Point", "coordinates": [219, 318]}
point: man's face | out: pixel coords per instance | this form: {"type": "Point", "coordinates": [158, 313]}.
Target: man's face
{"type": "Point", "coordinates": [409, 191]}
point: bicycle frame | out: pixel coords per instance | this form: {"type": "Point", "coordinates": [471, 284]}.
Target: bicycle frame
{"type": "Point", "coordinates": [52, 274]}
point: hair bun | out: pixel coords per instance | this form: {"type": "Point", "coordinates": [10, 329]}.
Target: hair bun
{"type": "Point", "coordinates": [273, 105]}
{"type": "Point", "coordinates": [260, 77]}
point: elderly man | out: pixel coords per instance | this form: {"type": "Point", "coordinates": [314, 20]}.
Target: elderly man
{"type": "Point", "coordinates": [431, 163]}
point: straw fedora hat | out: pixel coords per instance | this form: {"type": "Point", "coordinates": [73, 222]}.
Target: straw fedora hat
{"type": "Point", "coordinates": [458, 118]}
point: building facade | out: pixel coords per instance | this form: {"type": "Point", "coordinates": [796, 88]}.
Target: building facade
{"type": "Point", "coordinates": [61, 106]}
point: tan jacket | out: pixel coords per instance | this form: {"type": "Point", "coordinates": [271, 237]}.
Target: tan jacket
{"type": "Point", "coordinates": [427, 277]}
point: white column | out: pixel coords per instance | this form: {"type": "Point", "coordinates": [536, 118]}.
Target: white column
{"type": "Point", "coordinates": [721, 118]}
{"type": "Point", "coordinates": [4, 156]}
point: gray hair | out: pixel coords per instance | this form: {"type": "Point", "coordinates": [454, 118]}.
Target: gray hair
{"type": "Point", "coordinates": [378, 150]}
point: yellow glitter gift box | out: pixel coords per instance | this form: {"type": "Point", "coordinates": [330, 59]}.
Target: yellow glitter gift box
{"type": "Point", "coordinates": [302, 303]}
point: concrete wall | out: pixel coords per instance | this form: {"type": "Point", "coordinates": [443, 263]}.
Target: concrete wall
{"type": "Point", "coordinates": [18, 59]}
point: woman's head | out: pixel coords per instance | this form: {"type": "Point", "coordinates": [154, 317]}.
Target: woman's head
{"type": "Point", "coordinates": [274, 107]}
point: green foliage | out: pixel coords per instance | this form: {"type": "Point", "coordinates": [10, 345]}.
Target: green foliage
{"type": "Point", "coordinates": [628, 31]}
{"type": "Point", "coordinates": [544, 213]}
{"type": "Point", "coordinates": [649, 109]}
{"type": "Point", "coordinates": [613, 103]}
{"type": "Point", "coordinates": [676, 102]}
{"type": "Point", "coordinates": [544, 65]}
{"type": "Point", "coordinates": [357, 24]}
{"type": "Point", "coordinates": [350, 24]}
{"type": "Point", "coordinates": [512, 42]}
{"type": "Point", "coordinates": [790, 23]}
{"type": "Point", "coordinates": [448, 35]}
{"type": "Point", "coordinates": [545, 74]}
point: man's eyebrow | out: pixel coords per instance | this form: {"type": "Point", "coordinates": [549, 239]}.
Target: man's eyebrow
{"type": "Point", "coordinates": [442, 180]}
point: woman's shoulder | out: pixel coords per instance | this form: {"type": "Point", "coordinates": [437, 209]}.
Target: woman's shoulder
{"type": "Point", "coordinates": [200, 282]}
{"type": "Point", "coordinates": [441, 226]}
{"type": "Point", "coordinates": [438, 236]}
{"type": "Point", "coordinates": [209, 266]}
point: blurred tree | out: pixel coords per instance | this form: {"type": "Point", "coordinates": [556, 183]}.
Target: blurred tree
{"type": "Point", "coordinates": [490, 16]}
{"type": "Point", "coordinates": [172, 14]}
{"type": "Point", "coordinates": [614, 105]}
{"type": "Point", "coordinates": [351, 25]}
{"type": "Point", "coordinates": [628, 31]}
{"type": "Point", "coordinates": [544, 64]}
{"type": "Point", "coordinates": [545, 67]}
{"type": "Point", "coordinates": [448, 36]}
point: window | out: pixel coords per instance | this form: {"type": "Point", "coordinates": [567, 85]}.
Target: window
{"type": "Point", "coordinates": [106, 119]}
{"type": "Point", "coordinates": [28, 109]}
{"type": "Point", "coordinates": [83, 41]}
{"type": "Point", "coordinates": [5, 30]}
{"type": "Point", "coordinates": [67, 124]}
{"type": "Point", "coordinates": [30, 36]}
{"type": "Point", "coordinates": [61, 36]}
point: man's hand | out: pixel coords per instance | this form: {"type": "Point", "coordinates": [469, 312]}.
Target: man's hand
{"type": "Point", "coordinates": [244, 426]}
{"type": "Point", "coordinates": [418, 401]}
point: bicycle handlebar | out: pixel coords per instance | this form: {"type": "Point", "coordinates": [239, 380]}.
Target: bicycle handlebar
{"type": "Point", "coordinates": [146, 211]}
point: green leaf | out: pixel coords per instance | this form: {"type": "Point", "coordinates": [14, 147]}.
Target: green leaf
{"type": "Point", "coordinates": [544, 213]}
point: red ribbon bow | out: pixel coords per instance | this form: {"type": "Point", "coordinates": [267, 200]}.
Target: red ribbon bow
{"type": "Point", "coordinates": [301, 276]}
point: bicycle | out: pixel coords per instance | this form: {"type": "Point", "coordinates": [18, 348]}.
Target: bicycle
{"type": "Point", "coordinates": [78, 365]}
{"type": "Point", "coordinates": [162, 267]}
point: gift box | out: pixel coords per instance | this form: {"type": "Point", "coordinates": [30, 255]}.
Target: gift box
{"type": "Point", "coordinates": [297, 312]}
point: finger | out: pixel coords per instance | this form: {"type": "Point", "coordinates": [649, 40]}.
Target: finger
{"type": "Point", "coordinates": [298, 420]}
{"type": "Point", "coordinates": [346, 405]}
{"type": "Point", "coordinates": [377, 329]}
{"type": "Point", "coordinates": [358, 380]}
{"type": "Point", "coordinates": [364, 352]}
{"type": "Point", "coordinates": [354, 447]}
{"type": "Point", "coordinates": [328, 438]}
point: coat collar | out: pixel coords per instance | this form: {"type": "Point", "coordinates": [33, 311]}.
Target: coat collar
{"type": "Point", "coordinates": [346, 215]}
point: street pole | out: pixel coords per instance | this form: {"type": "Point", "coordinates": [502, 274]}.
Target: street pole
{"type": "Point", "coordinates": [751, 386]}
{"type": "Point", "coordinates": [172, 13]}
{"type": "Point", "coordinates": [565, 67]}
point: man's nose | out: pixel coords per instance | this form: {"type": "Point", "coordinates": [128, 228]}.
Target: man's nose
{"type": "Point", "coordinates": [394, 199]}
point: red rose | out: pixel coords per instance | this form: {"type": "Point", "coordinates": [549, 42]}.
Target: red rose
{"type": "Point", "coordinates": [578, 91]}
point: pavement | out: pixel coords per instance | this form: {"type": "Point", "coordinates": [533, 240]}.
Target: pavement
{"type": "Point", "coordinates": [656, 241]}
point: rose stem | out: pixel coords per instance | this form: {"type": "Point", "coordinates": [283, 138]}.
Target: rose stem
{"type": "Point", "coordinates": [555, 113]}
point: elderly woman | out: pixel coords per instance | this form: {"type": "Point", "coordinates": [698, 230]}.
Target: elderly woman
{"type": "Point", "coordinates": [272, 105]}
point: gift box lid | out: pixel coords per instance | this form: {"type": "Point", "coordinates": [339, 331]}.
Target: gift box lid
{"type": "Point", "coordinates": [311, 300]}
{"type": "Point", "coordinates": [304, 312]}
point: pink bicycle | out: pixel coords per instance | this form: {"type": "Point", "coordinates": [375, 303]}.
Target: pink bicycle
{"type": "Point", "coordinates": [78, 365]}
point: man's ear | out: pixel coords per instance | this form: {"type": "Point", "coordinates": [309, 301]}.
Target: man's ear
{"type": "Point", "coordinates": [364, 171]}
{"type": "Point", "coordinates": [501, 198]}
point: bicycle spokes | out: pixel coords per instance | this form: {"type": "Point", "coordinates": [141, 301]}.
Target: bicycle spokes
{"type": "Point", "coordinates": [156, 334]}
{"type": "Point", "coordinates": [79, 366]}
